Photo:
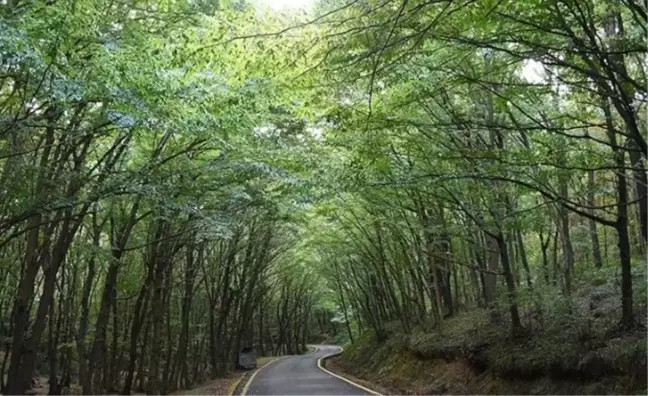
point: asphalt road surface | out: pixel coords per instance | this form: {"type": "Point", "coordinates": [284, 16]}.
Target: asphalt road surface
{"type": "Point", "coordinates": [299, 375]}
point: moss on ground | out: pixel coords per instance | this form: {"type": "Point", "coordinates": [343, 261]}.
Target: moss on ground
{"type": "Point", "coordinates": [568, 347]}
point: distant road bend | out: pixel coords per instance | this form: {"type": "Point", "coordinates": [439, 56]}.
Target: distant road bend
{"type": "Point", "coordinates": [300, 375]}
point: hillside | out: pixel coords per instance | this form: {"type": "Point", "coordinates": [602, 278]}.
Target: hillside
{"type": "Point", "coordinates": [577, 352]}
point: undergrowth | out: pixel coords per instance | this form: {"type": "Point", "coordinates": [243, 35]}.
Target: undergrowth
{"type": "Point", "coordinates": [570, 344]}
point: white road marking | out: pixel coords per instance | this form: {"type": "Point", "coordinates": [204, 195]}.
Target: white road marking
{"type": "Point", "coordinates": [319, 365]}
{"type": "Point", "coordinates": [247, 385]}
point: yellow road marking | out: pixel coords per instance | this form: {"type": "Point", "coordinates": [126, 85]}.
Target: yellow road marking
{"type": "Point", "coordinates": [235, 385]}
{"type": "Point", "coordinates": [319, 365]}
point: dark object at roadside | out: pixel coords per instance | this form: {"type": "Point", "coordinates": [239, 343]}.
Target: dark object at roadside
{"type": "Point", "coordinates": [33, 389]}
{"type": "Point", "coordinates": [247, 359]}
{"type": "Point", "coordinates": [594, 366]}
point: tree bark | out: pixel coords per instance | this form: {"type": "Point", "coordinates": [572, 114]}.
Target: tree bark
{"type": "Point", "coordinates": [510, 284]}
{"type": "Point", "coordinates": [596, 250]}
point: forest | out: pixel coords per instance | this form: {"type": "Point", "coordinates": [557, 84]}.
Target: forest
{"type": "Point", "coordinates": [181, 179]}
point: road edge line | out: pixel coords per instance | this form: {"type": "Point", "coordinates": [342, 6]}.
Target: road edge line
{"type": "Point", "coordinates": [247, 385]}
{"type": "Point", "coordinates": [315, 349]}
{"type": "Point", "coordinates": [319, 366]}
{"type": "Point", "coordinates": [235, 385]}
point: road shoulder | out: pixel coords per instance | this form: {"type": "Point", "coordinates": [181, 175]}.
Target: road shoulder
{"type": "Point", "coordinates": [331, 367]}
{"type": "Point", "coordinates": [243, 385]}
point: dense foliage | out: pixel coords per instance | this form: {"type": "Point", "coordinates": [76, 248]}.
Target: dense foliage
{"type": "Point", "coordinates": [142, 215]}
{"type": "Point", "coordinates": [181, 179]}
{"type": "Point", "coordinates": [496, 142]}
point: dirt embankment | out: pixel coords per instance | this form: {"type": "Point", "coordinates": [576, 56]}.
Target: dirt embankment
{"type": "Point", "coordinates": [471, 356]}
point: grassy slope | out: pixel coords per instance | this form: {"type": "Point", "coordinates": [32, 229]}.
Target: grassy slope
{"type": "Point", "coordinates": [581, 352]}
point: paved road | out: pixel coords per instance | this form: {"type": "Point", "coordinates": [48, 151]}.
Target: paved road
{"type": "Point", "coordinates": [299, 375]}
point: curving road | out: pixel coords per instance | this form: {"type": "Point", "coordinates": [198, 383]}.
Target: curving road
{"type": "Point", "coordinates": [299, 375]}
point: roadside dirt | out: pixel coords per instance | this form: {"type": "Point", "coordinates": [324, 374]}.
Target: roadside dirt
{"type": "Point", "coordinates": [218, 386]}
{"type": "Point", "coordinates": [332, 365]}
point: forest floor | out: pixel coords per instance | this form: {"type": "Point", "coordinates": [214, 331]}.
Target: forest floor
{"type": "Point", "coordinates": [225, 385]}
{"type": "Point", "coordinates": [583, 352]}
{"type": "Point", "coordinates": [398, 370]}
{"type": "Point", "coordinates": [219, 386]}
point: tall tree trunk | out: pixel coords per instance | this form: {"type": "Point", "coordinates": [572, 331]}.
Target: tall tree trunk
{"type": "Point", "coordinates": [142, 371]}
{"type": "Point", "coordinates": [111, 384]}
{"type": "Point", "coordinates": [101, 328]}
{"type": "Point", "coordinates": [51, 267]}
{"type": "Point", "coordinates": [139, 314]}
{"type": "Point", "coordinates": [510, 283]}
{"type": "Point", "coordinates": [596, 250]}
{"type": "Point", "coordinates": [85, 304]}
{"type": "Point", "coordinates": [523, 257]}
{"type": "Point", "coordinates": [185, 313]}
{"type": "Point", "coordinates": [556, 265]}
{"type": "Point", "coordinates": [157, 319]}
{"type": "Point", "coordinates": [615, 30]}
{"type": "Point", "coordinates": [52, 357]}
{"type": "Point", "coordinates": [18, 377]}
{"type": "Point", "coordinates": [490, 277]}
{"type": "Point", "coordinates": [338, 276]}
{"type": "Point", "coordinates": [627, 317]}
{"type": "Point", "coordinates": [565, 239]}
{"type": "Point", "coordinates": [544, 246]}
